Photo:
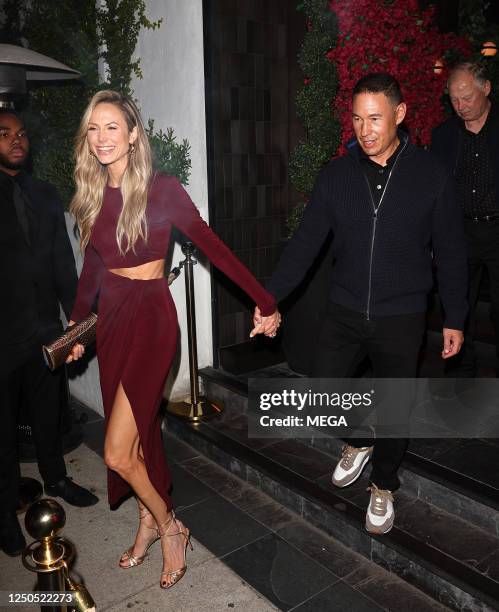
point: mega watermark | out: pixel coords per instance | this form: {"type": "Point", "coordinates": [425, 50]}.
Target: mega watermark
{"type": "Point", "coordinates": [363, 407]}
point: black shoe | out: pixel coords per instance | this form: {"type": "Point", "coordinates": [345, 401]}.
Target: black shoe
{"type": "Point", "coordinates": [71, 493]}
{"type": "Point", "coordinates": [12, 539]}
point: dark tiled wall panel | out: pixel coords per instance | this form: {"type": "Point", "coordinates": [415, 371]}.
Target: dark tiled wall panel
{"type": "Point", "coordinates": [251, 47]}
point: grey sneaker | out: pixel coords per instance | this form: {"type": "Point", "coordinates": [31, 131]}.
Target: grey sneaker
{"type": "Point", "coordinates": [380, 513]}
{"type": "Point", "coordinates": [350, 466]}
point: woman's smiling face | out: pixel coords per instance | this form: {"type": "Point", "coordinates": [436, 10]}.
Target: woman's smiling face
{"type": "Point", "coordinates": [108, 135]}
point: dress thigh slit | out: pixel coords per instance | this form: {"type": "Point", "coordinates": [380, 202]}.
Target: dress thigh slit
{"type": "Point", "coordinates": [137, 334]}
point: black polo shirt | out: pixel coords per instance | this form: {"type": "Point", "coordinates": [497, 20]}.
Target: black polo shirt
{"type": "Point", "coordinates": [376, 174]}
{"type": "Point", "coordinates": [475, 180]}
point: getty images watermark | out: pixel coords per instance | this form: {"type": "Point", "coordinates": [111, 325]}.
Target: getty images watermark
{"type": "Point", "coordinates": [308, 400]}
{"type": "Point", "coordinates": [363, 407]}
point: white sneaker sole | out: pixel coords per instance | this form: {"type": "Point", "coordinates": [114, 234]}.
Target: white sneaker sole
{"type": "Point", "coordinates": [378, 531]}
{"type": "Point", "coordinates": [360, 470]}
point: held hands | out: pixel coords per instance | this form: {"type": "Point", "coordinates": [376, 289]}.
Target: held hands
{"type": "Point", "coordinates": [453, 340]}
{"type": "Point", "coordinates": [265, 325]}
{"type": "Point", "coordinates": [77, 350]}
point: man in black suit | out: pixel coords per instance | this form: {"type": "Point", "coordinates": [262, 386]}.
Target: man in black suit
{"type": "Point", "coordinates": [37, 275]}
{"type": "Point", "coordinates": [468, 144]}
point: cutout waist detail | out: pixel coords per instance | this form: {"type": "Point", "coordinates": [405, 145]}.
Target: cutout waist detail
{"type": "Point", "coordinates": [150, 270]}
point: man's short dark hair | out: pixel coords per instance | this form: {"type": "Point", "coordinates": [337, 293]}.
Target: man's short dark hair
{"type": "Point", "coordinates": [380, 82]}
{"type": "Point", "coordinates": [11, 111]}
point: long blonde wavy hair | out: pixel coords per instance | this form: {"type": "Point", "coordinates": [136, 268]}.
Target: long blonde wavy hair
{"type": "Point", "coordinates": [91, 177]}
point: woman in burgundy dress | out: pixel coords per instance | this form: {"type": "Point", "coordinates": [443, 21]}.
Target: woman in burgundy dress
{"type": "Point", "coordinates": [125, 213]}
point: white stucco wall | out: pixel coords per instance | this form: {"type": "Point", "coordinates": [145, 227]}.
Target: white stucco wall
{"type": "Point", "coordinates": [172, 93]}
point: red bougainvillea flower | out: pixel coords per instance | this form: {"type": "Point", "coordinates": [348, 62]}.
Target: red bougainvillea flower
{"type": "Point", "coordinates": [394, 37]}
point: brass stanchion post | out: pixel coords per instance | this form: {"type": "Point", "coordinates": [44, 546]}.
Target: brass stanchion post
{"type": "Point", "coordinates": [49, 557]}
{"type": "Point", "coordinates": [197, 408]}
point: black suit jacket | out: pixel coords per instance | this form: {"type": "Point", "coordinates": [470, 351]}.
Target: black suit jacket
{"type": "Point", "coordinates": [37, 274]}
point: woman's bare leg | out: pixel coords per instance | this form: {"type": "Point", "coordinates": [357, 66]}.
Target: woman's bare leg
{"type": "Point", "coordinates": [122, 454]}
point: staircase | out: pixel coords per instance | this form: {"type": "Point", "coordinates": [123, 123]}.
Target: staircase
{"type": "Point", "coordinates": [445, 539]}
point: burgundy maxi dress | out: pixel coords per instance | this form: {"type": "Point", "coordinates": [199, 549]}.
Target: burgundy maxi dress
{"type": "Point", "coordinates": [137, 321]}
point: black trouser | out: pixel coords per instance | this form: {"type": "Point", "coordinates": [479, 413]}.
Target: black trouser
{"type": "Point", "coordinates": [392, 343]}
{"type": "Point", "coordinates": [483, 252]}
{"type": "Point", "coordinates": [39, 390]}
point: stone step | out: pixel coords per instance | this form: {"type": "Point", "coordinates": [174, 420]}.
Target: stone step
{"type": "Point", "coordinates": [449, 550]}
{"type": "Point", "coordinates": [296, 565]}
{"type": "Point", "coordinates": [446, 472]}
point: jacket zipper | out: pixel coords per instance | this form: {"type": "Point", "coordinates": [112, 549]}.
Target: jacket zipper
{"type": "Point", "coordinates": [375, 220]}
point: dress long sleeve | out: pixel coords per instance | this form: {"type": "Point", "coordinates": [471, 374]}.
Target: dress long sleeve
{"type": "Point", "coordinates": [185, 216]}
{"type": "Point", "coordinates": [89, 283]}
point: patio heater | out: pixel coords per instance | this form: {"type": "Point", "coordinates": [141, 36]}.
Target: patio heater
{"type": "Point", "coordinates": [19, 65]}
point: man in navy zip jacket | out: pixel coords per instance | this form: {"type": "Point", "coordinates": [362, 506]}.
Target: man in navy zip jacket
{"type": "Point", "coordinates": [391, 208]}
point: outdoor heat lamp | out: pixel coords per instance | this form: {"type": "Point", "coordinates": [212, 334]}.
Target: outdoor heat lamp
{"type": "Point", "coordinates": [19, 65]}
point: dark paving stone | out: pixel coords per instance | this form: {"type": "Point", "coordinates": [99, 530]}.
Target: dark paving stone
{"type": "Point", "coordinates": [220, 526]}
{"type": "Point", "coordinates": [176, 450]}
{"type": "Point", "coordinates": [288, 498]}
{"type": "Point", "coordinates": [473, 511]}
{"type": "Point", "coordinates": [432, 448]}
{"type": "Point", "coordinates": [475, 459]}
{"type": "Point", "coordinates": [207, 448]}
{"type": "Point", "coordinates": [299, 458]}
{"type": "Point", "coordinates": [335, 557]}
{"type": "Point", "coordinates": [259, 506]}
{"type": "Point", "coordinates": [279, 572]}
{"type": "Point", "coordinates": [439, 588]}
{"type": "Point", "coordinates": [446, 532]}
{"type": "Point", "coordinates": [390, 591]}
{"type": "Point", "coordinates": [237, 429]}
{"type": "Point", "coordinates": [187, 489]}
{"type": "Point", "coordinates": [339, 525]}
{"type": "Point", "coordinates": [340, 596]}
{"type": "Point", "coordinates": [263, 509]}
{"type": "Point", "coordinates": [490, 566]}
{"type": "Point", "coordinates": [93, 436]}
{"type": "Point", "coordinates": [212, 475]}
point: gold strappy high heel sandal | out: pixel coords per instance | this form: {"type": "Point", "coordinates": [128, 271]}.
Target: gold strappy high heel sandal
{"type": "Point", "coordinates": [131, 560]}
{"type": "Point", "coordinates": [176, 575]}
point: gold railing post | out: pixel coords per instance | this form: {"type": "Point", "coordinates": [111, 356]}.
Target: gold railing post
{"type": "Point", "coordinates": [49, 557]}
{"type": "Point", "coordinates": [196, 408]}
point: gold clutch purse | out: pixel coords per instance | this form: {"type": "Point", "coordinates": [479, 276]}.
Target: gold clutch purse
{"type": "Point", "coordinates": [56, 353]}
